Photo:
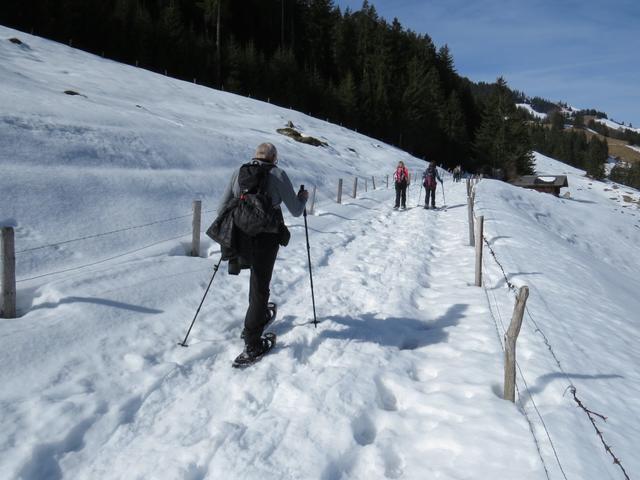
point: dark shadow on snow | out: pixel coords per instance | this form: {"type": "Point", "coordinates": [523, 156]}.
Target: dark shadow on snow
{"type": "Point", "coordinates": [577, 200]}
{"type": "Point", "coordinates": [360, 206]}
{"type": "Point", "coordinates": [335, 215]}
{"type": "Point", "coordinates": [493, 240]}
{"type": "Point", "coordinates": [401, 332]}
{"type": "Point", "coordinates": [97, 301]}
{"type": "Point", "coordinates": [544, 380]}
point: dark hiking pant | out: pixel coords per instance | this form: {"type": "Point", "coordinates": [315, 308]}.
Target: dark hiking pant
{"type": "Point", "coordinates": [263, 257]}
{"type": "Point", "coordinates": [401, 194]}
{"type": "Point", "coordinates": [430, 192]}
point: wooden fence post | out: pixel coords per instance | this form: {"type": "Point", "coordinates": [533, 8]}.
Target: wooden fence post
{"type": "Point", "coordinates": [468, 187]}
{"type": "Point", "coordinates": [366, 185]}
{"type": "Point", "coordinates": [340, 191]}
{"type": "Point", "coordinates": [470, 211]}
{"type": "Point", "coordinates": [510, 338]}
{"type": "Point", "coordinates": [355, 187]}
{"type": "Point", "coordinates": [387, 181]}
{"type": "Point", "coordinates": [195, 239]}
{"type": "Point", "coordinates": [479, 251]}
{"type": "Point", "coordinates": [373, 181]}
{"type": "Point", "coordinates": [8, 273]}
{"type": "Point", "coordinates": [313, 201]}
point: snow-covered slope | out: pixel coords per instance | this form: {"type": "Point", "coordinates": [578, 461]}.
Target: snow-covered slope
{"type": "Point", "coordinates": [616, 126]}
{"type": "Point", "coordinates": [530, 109]}
{"type": "Point", "coordinates": [401, 378]}
{"type": "Point", "coordinates": [135, 147]}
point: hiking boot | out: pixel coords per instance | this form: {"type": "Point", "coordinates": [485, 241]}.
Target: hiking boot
{"type": "Point", "coordinates": [252, 354]}
{"type": "Point", "coordinates": [256, 351]}
{"type": "Point", "coordinates": [269, 316]}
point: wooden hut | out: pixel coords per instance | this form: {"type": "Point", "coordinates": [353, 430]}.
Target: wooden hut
{"type": "Point", "coordinates": [542, 183]}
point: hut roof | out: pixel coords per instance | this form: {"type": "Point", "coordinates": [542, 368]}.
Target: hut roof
{"type": "Point", "coordinates": [533, 181]}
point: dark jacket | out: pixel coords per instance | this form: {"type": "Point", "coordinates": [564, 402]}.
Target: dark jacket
{"type": "Point", "coordinates": [429, 177]}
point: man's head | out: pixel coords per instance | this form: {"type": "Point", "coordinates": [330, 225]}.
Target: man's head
{"type": "Point", "coordinates": [266, 152]}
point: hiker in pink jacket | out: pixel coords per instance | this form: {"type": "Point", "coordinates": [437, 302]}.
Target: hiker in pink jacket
{"type": "Point", "coordinates": [401, 179]}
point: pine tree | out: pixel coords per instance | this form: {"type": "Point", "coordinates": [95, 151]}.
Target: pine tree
{"type": "Point", "coordinates": [503, 139]}
{"type": "Point", "coordinates": [597, 155]}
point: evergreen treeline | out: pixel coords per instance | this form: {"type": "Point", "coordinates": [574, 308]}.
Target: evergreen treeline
{"type": "Point", "coordinates": [626, 174]}
{"type": "Point", "coordinates": [627, 135]}
{"type": "Point", "coordinates": [353, 68]}
{"type": "Point", "coordinates": [570, 146]}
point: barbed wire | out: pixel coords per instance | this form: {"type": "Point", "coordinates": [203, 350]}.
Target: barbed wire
{"type": "Point", "coordinates": [524, 411]}
{"type": "Point", "coordinates": [96, 235]}
{"type": "Point", "coordinates": [572, 388]}
{"type": "Point", "coordinates": [101, 261]}
{"type": "Point", "coordinates": [590, 414]}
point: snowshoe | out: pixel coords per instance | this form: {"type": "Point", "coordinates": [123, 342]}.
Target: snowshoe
{"type": "Point", "coordinates": [272, 311]}
{"type": "Point", "coordinates": [251, 356]}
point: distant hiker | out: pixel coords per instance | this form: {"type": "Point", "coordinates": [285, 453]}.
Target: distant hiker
{"type": "Point", "coordinates": [429, 178]}
{"type": "Point", "coordinates": [401, 178]}
{"type": "Point", "coordinates": [259, 251]}
{"type": "Point", "coordinates": [457, 173]}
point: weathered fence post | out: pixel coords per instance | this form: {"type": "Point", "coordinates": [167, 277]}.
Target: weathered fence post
{"type": "Point", "coordinates": [387, 181]}
{"type": "Point", "coordinates": [479, 251]}
{"type": "Point", "coordinates": [373, 181]}
{"type": "Point", "coordinates": [340, 191]}
{"type": "Point", "coordinates": [355, 187]}
{"type": "Point", "coordinates": [195, 239]}
{"type": "Point", "coordinates": [8, 273]}
{"type": "Point", "coordinates": [510, 338]}
{"type": "Point", "coordinates": [313, 201]}
{"type": "Point", "coordinates": [366, 185]}
{"type": "Point", "coordinates": [468, 187]}
{"type": "Point", "coordinates": [470, 211]}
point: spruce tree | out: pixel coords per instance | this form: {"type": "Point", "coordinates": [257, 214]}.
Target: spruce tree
{"type": "Point", "coordinates": [503, 140]}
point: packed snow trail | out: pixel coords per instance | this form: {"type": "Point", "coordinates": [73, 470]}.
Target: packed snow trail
{"type": "Point", "coordinates": [401, 379]}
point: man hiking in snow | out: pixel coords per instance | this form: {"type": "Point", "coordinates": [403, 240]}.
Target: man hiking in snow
{"type": "Point", "coordinates": [401, 180]}
{"type": "Point", "coordinates": [429, 178]}
{"type": "Point", "coordinates": [260, 251]}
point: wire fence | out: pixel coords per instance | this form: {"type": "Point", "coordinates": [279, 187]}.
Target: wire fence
{"type": "Point", "coordinates": [103, 234]}
{"type": "Point", "coordinates": [571, 387]}
{"type": "Point", "coordinates": [364, 183]}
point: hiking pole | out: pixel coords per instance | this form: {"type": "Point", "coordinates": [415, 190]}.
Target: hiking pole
{"type": "Point", "coordinates": [444, 202]}
{"type": "Point", "coordinates": [215, 270]}
{"type": "Point", "coordinates": [306, 232]}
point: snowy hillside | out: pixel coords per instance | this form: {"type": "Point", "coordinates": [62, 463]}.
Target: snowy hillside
{"type": "Point", "coordinates": [530, 109]}
{"type": "Point", "coordinates": [402, 377]}
{"type": "Point", "coordinates": [616, 126]}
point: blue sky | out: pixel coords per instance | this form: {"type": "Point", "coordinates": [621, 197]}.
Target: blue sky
{"type": "Point", "coordinates": [586, 53]}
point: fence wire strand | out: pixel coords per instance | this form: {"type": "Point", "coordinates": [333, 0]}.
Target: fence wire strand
{"type": "Point", "coordinates": [524, 410]}
{"type": "Point", "coordinates": [572, 388]}
{"type": "Point", "coordinates": [101, 261]}
{"type": "Point", "coordinates": [96, 235]}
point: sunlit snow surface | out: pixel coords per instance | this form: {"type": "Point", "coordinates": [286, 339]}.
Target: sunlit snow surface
{"type": "Point", "coordinates": [402, 377]}
{"type": "Point", "coordinates": [530, 109]}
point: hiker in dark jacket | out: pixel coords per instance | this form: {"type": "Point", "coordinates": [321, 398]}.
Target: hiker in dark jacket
{"type": "Point", "coordinates": [263, 248]}
{"type": "Point", "coordinates": [429, 178]}
{"type": "Point", "coordinates": [401, 180]}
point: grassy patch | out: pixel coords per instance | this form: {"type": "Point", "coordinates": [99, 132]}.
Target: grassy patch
{"type": "Point", "coordinates": [298, 137]}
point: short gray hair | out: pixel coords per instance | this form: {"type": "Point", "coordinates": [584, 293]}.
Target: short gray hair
{"type": "Point", "coordinates": [266, 151]}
